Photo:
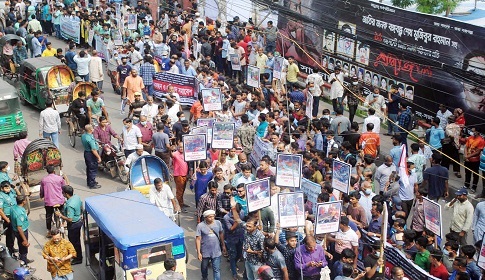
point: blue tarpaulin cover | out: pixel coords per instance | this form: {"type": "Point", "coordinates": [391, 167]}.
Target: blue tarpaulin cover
{"type": "Point", "coordinates": [129, 219]}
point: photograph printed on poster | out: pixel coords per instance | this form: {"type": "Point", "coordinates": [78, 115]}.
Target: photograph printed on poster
{"type": "Point", "coordinates": [383, 83]}
{"type": "Point", "coordinates": [291, 209]}
{"type": "Point", "coordinates": [278, 67]}
{"type": "Point", "coordinates": [390, 83]}
{"type": "Point", "coordinates": [331, 63]}
{"type": "Point", "coordinates": [409, 94]}
{"type": "Point", "coordinates": [223, 135]}
{"type": "Point", "coordinates": [235, 62]}
{"type": "Point", "coordinates": [258, 194]}
{"type": "Point", "coordinates": [328, 41]}
{"type": "Point", "coordinates": [207, 122]}
{"type": "Point", "coordinates": [288, 170]}
{"type": "Point", "coordinates": [328, 217]}
{"type": "Point", "coordinates": [368, 77]}
{"type": "Point", "coordinates": [345, 44]}
{"type": "Point", "coordinates": [341, 176]}
{"type": "Point", "coordinates": [360, 74]}
{"type": "Point", "coordinates": [132, 22]}
{"type": "Point", "coordinates": [211, 99]}
{"type": "Point", "coordinates": [309, 106]}
{"type": "Point", "coordinates": [432, 216]}
{"type": "Point", "coordinates": [325, 61]}
{"type": "Point", "coordinates": [253, 76]}
{"type": "Point", "coordinates": [363, 53]}
{"type": "Point", "coordinates": [199, 130]}
{"type": "Point", "coordinates": [401, 89]}
{"type": "Point", "coordinates": [376, 78]}
{"type": "Point", "coordinates": [195, 147]}
{"type": "Point", "coordinates": [353, 71]}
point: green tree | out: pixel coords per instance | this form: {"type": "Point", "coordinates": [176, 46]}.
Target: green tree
{"type": "Point", "coordinates": [402, 3]}
{"type": "Point", "coordinates": [437, 6]}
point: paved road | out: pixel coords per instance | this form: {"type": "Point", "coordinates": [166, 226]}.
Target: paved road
{"type": "Point", "coordinates": [75, 169]}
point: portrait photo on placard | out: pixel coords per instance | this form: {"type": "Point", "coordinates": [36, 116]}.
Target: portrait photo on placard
{"type": "Point", "coordinates": [195, 147]}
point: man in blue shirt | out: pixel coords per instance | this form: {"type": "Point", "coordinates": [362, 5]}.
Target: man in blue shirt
{"type": "Point", "coordinates": [436, 134]}
{"type": "Point", "coordinates": [91, 157]}
{"type": "Point", "coordinates": [188, 69]}
{"type": "Point", "coordinates": [436, 179]}
{"type": "Point", "coordinates": [147, 73]}
{"type": "Point", "coordinates": [395, 152]}
{"type": "Point", "coordinates": [72, 214]}
{"type": "Point", "coordinates": [403, 121]}
{"type": "Point", "coordinates": [70, 57]}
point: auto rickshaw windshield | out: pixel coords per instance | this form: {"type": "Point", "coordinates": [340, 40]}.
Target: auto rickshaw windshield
{"type": "Point", "coordinates": [9, 106]}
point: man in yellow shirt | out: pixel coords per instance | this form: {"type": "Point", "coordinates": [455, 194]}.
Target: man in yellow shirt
{"type": "Point", "coordinates": [292, 73]}
{"type": "Point", "coordinates": [49, 51]}
{"type": "Point", "coordinates": [58, 252]}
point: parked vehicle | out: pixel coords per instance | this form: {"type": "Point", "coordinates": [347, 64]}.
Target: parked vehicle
{"type": "Point", "coordinates": [42, 78]}
{"type": "Point", "coordinates": [113, 161]}
{"type": "Point", "coordinates": [11, 117]}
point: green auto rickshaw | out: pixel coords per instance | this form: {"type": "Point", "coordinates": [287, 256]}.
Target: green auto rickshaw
{"type": "Point", "coordinates": [11, 118]}
{"type": "Point", "coordinates": [42, 78]}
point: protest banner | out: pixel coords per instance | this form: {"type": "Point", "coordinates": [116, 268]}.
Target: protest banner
{"type": "Point", "coordinates": [211, 99]}
{"type": "Point", "coordinates": [102, 48]}
{"type": "Point", "coordinates": [481, 254]}
{"type": "Point", "coordinates": [253, 76]}
{"type": "Point", "coordinates": [223, 135]}
{"type": "Point", "coordinates": [70, 29]}
{"type": "Point", "coordinates": [312, 190]}
{"type": "Point", "coordinates": [278, 67]}
{"type": "Point", "coordinates": [209, 123]}
{"type": "Point", "coordinates": [341, 176]}
{"type": "Point", "coordinates": [195, 48]}
{"type": "Point", "coordinates": [90, 37]}
{"type": "Point", "coordinates": [289, 170]}
{"type": "Point", "coordinates": [432, 216]}
{"type": "Point", "coordinates": [132, 22]}
{"type": "Point", "coordinates": [291, 209]}
{"type": "Point", "coordinates": [235, 62]}
{"type": "Point", "coordinates": [393, 257]}
{"type": "Point", "coordinates": [117, 37]}
{"type": "Point", "coordinates": [258, 194]}
{"type": "Point", "coordinates": [195, 147]}
{"type": "Point", "coordinates": [185, 86]}
{"type": "Point", "coordinates": [327, 217]}
{"type": "Point", "coordinates": [199, 130]}
{"type": "Point", "coordinates": [260, 149]}
{"type": "Point", "coordinates": [309, 105]}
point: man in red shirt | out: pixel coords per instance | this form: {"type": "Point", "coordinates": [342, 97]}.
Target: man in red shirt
{"type": "Point", "coordinates": [438, 269]}
{"type": "Point", "coordinates": [180, 171]}
{"type": "Point", "coordinates": [473, 148]}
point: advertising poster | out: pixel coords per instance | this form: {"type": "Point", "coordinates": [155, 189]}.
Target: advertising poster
{"type": "Point", "coordinates": [481, 254]}
{"type": "Point", "coordinates": [432, 216]}
{"type": "Point", "coordinates": [258, 194]}
{"type": "Point", "coordinates": [195, 147]}
{"type": "Point", "coordinates": [185, 86]}
{"type": "Point", "coordinates": [209, 123]}
{"type": "Point", "coordinates": [345, 44]}
{"type": "Point", "coordinates": [312, 190]}
{"type": "Point", "coordinates": [291, 209]}
{"type": "Point", "coordinates": [309, 105]}
{"type": "Point", "coordinates": [223, 135]}
{"type": "Point", "coordinates": [235, 62]}
{"type": "Point", "coordinates": [289, 170]}
{"type": "Point", "coordinates": [132, 25]}
{"type": "Point", "coordinates": [327, 217]}
{"type": "Point", "coordinates": [253, 76]}
{"type": "Point", "coordinates": [341, 176]}
{"type": "Point", "coordinates": [211, 99]}
{"type": "Point", "coordinates": [278, 67]}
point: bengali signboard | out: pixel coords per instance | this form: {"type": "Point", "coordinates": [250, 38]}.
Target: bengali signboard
{"type": "Point", "coordinates": [312, 190]}
{"type": "Point", "coordinates": [260, 149]}
{"type": "Point", "coordinates": [185, 86]}
{"type": "Point", "coordinates": [70, 29]}
{"type": "Point", "coordinates": [432, 59]}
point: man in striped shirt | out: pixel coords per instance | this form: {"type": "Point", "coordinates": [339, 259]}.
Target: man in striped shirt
{"type": "Point", "coordinates": [207, 201]}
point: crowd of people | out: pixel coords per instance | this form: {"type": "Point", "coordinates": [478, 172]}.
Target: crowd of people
{"type": "Point", "coordinates": [277, 113]}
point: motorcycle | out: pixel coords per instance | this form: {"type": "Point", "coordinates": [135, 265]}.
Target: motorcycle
{"type": "Point", "coordinates": [11, 267]}
{"type": "Point", "coordinates": [113, 161]}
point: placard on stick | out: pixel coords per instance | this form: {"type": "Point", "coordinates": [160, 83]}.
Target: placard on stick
{"type": "Point", "coordinates": [291, 209]}
{"type": "Point", "coordinates": [212, 99]}
{"type": "Point", "coordinates": [327, 217]}
{"type": "Point", "coordinates": [258, 194]}
{"type": "Point", "coordinates": [223, 135]}
{"type": "Point", "coordinates": [195, 147]}
{"type": "Point", "coordinates": [341, 176]}
{"type": "Point", "coordinates": [289, 170]}
{"type": "Point", "coordinates": [432, 216]}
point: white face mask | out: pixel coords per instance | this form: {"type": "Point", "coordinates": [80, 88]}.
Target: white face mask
{"type": "Point", "coordinates": [8, 168]}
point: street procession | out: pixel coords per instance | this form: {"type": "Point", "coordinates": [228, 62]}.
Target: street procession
{"type": "Point", "coordinates": [249, 139]}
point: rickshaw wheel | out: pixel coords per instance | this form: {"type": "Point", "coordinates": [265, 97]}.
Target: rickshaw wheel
{"type": "Point", "coordinates": [186, 254]}
{"type": "Point", "coordinates": [124, 176]}
{"type": "Point", "coordinates": [72, 135]}
{"type": "Point", "coordinates": [24, 191]}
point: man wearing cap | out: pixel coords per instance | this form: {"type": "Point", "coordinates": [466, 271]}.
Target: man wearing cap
{"type": "Point", "coordinates": [91, 157]}
{"type": "Point", "coordinates": [462, 218]}
{"type": "Point", "coordinates": [209, 242]}
{"type": "Point", "coordinates": [139, 151]}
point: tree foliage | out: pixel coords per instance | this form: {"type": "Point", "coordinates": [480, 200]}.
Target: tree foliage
{"type": "Point", "coordinates": [429, 6]}
{"type": "Point", "coordinates": [402, 3]}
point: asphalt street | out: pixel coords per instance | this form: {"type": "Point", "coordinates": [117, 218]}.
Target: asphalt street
{"type": "Point", "coordinates": [74, 167]}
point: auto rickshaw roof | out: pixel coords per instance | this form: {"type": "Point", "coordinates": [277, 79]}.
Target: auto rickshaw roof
{"type": "Point", "coordinates": [7, 91]}
{"type": "Point", "coordinates": [39, 62]}
{"type": "Point", "coordinates": [129, 219]}
{"type": "Point", "coordinates": [8, 38]}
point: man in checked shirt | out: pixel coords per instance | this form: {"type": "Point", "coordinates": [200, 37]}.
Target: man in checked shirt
{"type": "Point", "coordinates": [207, 201]}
